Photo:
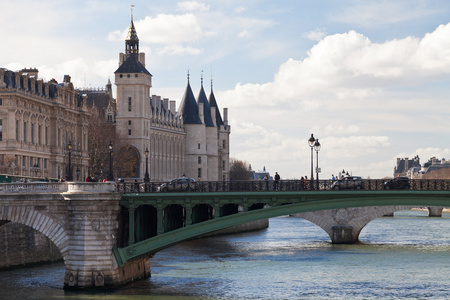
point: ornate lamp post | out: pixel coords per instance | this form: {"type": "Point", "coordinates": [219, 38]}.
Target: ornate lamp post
{"type": "Point", "coordinates": [69, 176]}
{"type": "Point", "coordinates": [147, 176]}
{"type": "Point", "coordinates": [317, 148]}
{"type": "Point", "coordinates": [311, 143]}
{"type": "Point", "coordinates": [110, 176]}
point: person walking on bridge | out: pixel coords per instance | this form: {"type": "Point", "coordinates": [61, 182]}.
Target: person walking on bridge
{"type": "Point", "coordinates": [276, 182]}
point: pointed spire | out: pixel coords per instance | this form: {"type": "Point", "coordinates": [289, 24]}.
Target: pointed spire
{"type": "Point", "coordinates": [188, 109]}
{"type": "Point", "coordinates": [132, 40]}
{"type": "Point", "coordinates": [206, 108]}
{"type": "Point", "coordinates": [213, 103]}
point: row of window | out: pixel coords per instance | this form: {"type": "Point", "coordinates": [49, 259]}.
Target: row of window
{"type": "Point", "coordinates": [32, 133]}
{"type": "Point", "coordinates": [35, 162]}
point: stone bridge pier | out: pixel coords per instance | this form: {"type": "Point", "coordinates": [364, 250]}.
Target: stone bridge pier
{"type": "Point", "coordinates": [92, 224]}
{"type": "Point", "coordinates": [344, 225]}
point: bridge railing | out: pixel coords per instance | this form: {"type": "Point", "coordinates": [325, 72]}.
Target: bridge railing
{"type": "Point", "coordinates": [272, 185]}
{"type": "Point", "coordinates": [33, 187]}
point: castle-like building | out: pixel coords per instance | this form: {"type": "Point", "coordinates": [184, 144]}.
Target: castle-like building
{"type": "Point", "coordinates": [39, 120]}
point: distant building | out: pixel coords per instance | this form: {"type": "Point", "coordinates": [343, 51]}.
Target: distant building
{"type": "Point", "coordinates": [259, 175]}
{"type": "Point", "coordinates": [38, 120]}
{"type": "Point", "coordinates": [412, 168]}
{"type": "Point", "coordinates": [407, 167]}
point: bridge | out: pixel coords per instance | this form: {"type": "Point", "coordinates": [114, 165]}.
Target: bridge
{"type": "Point", "coordinates": [106, 231]}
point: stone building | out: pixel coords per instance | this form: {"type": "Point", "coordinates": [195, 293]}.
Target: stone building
{"type": "Point", "coordinates": [38, 121]}
{"type": "Point", "coordinates": [193, 141]}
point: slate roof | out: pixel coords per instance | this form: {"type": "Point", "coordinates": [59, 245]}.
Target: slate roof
{"type": "Point", "coordinates": [206, 108]}
{"type": "Point", "coordinates": [132, 34]}
{"type": "Point", "coordinates": [213, 103]}
{"type": "Point", "coordinates": [188, 107]}
{"type": "Point", "coordinates": [132, 65]}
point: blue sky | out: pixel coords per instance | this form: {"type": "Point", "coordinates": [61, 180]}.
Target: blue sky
{"type": "Point", "coordinates": [370, 79]}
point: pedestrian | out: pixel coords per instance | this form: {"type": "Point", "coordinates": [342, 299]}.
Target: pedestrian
{"type": "Point", "coordinates": [333, 178]}
{"type": "Point", "coordinates": [276, 182]}
{"type": "Point", "coordinates": [302, 183]}
{"type": "Point", "coordinates": [266, 179]}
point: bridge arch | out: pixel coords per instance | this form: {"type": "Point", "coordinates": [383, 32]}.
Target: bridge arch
{"type": "Point", "coordinates": [39, 222]}
{"type": "Point", "coordinates": [354, 218]}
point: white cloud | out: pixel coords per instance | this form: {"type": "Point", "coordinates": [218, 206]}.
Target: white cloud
{"type": "Point", "coordinates": [164, 29]}
{"type": "Point", "coordinates": [372, 14]}
{"type": "Point", "coordinates": [316, 35]}
{"type": "Point", "coordinates": [344, 91]}
{"type": "Point", "coordinates": [192, 6]}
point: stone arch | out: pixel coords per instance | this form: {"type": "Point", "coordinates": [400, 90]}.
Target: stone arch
{"type": "Point", "coordinates": [39, 222]}
{"type": "Point", "coordinates": [355, 218]}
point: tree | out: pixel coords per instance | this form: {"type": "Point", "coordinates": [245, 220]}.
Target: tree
{"type": "Point", "coordinates": [240, 170]}
{"type": "Point", "coordinates": [8, 164]}
{"type": "Point", "coordinates": [101, 133]}
{"type": "Point", "coordinates": [443, 173]}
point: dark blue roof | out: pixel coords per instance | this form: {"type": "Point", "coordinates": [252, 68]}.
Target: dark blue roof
{"type": "Point", "coordinates": [132, 65]}
{"type": "Point", "coordinates": [10, 79]}
{"type": "Point", "coordinates": [206, 108]}
{"type": "Point", "coordinates": [188, 107]}
{"type": "Point", "coordinates": [213, 103]}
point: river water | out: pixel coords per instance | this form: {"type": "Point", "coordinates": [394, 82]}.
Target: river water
{"type": "Point", "coordinates": [407, 256]}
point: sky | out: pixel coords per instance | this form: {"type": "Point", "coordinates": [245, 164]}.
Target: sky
{"type": "Point", "coordinates": [370, 79]}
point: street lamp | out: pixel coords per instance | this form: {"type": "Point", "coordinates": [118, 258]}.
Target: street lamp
{"type": "Point", "coordinates": [146, 177]}
{"type": "Point", "coordinates": [317, 148]}
{"type": "Point", "coordinates": [69, 176]}
{"type": "Point", "coordinates": [311, 143]}
{"type": "Point", "coordinates": [110, 175]}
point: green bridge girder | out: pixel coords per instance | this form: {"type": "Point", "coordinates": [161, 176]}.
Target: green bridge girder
{"type": "Point", "coordinates": [281, 203]}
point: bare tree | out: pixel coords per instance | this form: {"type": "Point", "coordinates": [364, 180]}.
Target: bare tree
{"type": "Point", "coordinates": [101, 133]}
{"type": "Point", "coordinates": [437, 174]}
{"type": "Point", "coordinates": [8, 164]}
{"type": "Point", "coordinates": [240, 170]}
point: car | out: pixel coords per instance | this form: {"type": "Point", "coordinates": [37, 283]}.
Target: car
{"type": "Point", "coordinates": [348, 182]}
{"type": "Point", "coordinates": [397, 183]}
{"type": "Point", "coordinates": [178, 184]}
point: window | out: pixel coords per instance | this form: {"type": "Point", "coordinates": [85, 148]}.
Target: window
{"type": "Point", "coordinates": [128, 75]}
{"type": "Point", "coordinates": [199, 159]}
{"type": "Point", "coordinates": [46, 135]}
{"type": "Point", "coordinates": [39, 134]}
{"type": "Point", "coordinates": [45, 163]}
{"type": "Point", "coordinates": [1, 130]}
{"type": "Point", "coordinates": [120, 75]}
{"type": "Point", "coordinates": [198, 145]}
{"type": "Point", "coordinates": [129, 131]}
{"type": "Point", "coordinates": [129, 103]}
{"type": "Point", "coordinates": [59, 137]}
{"type": "Point", "coordinates": [24, 163]}
{"type": "Point", "coordinates": [129, 122]}
{"type": "Point", "coordinates": [136, 75]}
{"type": "Point", "coordinates": [25, 132]}
{"type": "Point", "coordinates": [32, 133]}
{"type": "Point", "coordinates": [199, 173]}
{"type": "Point", "coordinates": [223, 165]}
{"type": "Point", "coordinates": [109, 118]}
{"type": "Point", "coordinates": [1, 100]}
{"type": "Point", "coordinates": [17, 130]}
{"type": "Point", "coordinates": [223, 144]}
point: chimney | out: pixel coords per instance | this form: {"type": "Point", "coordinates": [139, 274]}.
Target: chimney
{"type": "Point", "coordinates": [172, 105]}
{"type": "Point", "coordinates": [225, 116]}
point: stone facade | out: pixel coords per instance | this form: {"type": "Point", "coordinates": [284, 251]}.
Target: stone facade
{"type": "Point", "coordinates": [176, 146]}
{"type": "Point", "coordinates": [38, 120]}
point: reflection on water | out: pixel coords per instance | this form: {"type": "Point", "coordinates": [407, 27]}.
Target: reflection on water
{"type": "Point", "coordinates": [403, 257]}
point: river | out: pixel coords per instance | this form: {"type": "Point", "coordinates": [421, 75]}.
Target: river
{"type": "Point", "coordinates": [407, 256]}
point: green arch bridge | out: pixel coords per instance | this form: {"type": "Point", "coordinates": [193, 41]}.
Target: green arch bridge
{"type": "Point", "coordinates": [151, 220]}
